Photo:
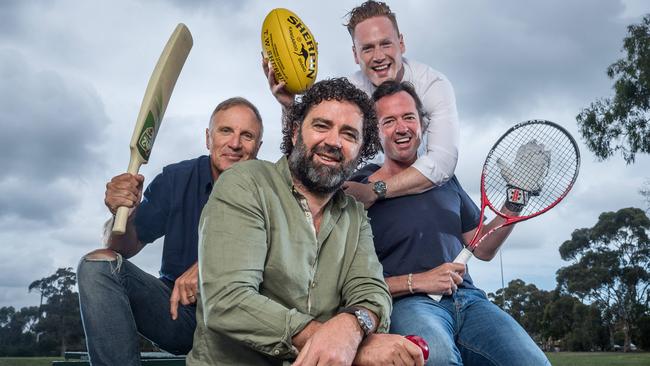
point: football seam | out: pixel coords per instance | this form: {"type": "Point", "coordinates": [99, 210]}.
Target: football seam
{"type": "Point", "coordinates": [290, 54]}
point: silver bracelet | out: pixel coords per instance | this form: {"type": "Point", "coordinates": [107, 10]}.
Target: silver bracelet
{"type": "Point", "coordinates": [409, 282]}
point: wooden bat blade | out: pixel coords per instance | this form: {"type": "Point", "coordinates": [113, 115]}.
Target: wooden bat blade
{"type": "Point", "coordinates": [156, 97]}
{"type": "Point", "coordinates": [159, 91]}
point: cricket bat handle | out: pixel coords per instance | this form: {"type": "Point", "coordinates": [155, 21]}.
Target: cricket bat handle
{"type": "Point", "coordinates": [463, 257]}
{"type": "Point", "coordinates": [122, 214]}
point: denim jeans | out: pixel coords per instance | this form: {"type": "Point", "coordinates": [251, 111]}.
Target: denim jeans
{"type": "Point", "coordinates": [118, 300]}
{"type": "Point", "coordinates": [465, 329]}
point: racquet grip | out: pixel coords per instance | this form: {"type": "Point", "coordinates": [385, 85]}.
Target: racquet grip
{"type": "Point", "coordinates": [463, 257]}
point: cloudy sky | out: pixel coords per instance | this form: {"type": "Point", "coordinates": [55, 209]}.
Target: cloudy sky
{"type": "Point", "coordinates": [72, 76]}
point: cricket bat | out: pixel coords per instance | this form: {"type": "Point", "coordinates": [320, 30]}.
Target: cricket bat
{"type": "Point", "coordinates": [156, 97]}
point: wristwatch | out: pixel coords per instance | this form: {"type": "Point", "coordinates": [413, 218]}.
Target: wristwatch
{"type": "Point", "coordinates": [379, 187]}
{"type": "Point", "coordinates": [364, 319]}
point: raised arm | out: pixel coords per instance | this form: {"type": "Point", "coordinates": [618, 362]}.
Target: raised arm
{"type": "Point", "coordinates": [124, 190]}
{"type": "Point", "coordinates": [491, 244]}
{"type": "Point", "coordinates": [277, 88]}
{"type": "Point", "coordinates": [438, 162]}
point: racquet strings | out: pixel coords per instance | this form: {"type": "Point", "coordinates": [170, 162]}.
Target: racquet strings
{"type": "Point", "coordinates": [561, 174]}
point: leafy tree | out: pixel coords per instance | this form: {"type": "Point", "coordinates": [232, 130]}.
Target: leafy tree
{"type": "Point", "coordinates": [59, 319]}
{"type": "Point", "coordinates": [621, 124]}
{"type": "Point", "coordinates": [611, 264]}
{"type": "Point", "coordinates": [644, 332]}
{"type": "Point", "coordinates": [525, 303]}
{"type": "Point", "coordinates": [574, 325]}
{"type": "Point", "coordinates": [17, 335]}
{"type": "Point", "coordinates": [590, 331]}
{"type": "Point", "coordinates": [558, 317]}
{"type": "Point", "coordinates": [62, 281]}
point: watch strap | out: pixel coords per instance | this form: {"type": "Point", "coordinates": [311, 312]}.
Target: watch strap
{"type": "Point", "coordinates": [380, 188]}
{"type": "Point", "coordinates": [366, 323]}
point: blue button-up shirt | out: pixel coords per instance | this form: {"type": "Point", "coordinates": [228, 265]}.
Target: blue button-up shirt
{"type": "Point", "coordinates": [171, 207]}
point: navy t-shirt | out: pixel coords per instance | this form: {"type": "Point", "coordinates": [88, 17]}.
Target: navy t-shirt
{"type": "Point", "coordinates": [416, 233]}
{"type": "Point", "coordinates": [171, 207]}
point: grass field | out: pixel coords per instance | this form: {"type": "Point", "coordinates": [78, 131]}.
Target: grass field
{"type": "Point", "coordinates": [599, 358]}
{"type": "Point", "coordinates": [28, 361]}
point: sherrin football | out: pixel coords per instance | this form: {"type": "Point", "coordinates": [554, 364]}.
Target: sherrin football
{"type": "Point", "coordinates": [291, 48]}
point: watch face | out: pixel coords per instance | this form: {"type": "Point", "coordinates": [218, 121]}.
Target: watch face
{"type": "Point", "coordinates": [380, 189]}
{"type": "Point", "coordinates": [364, 320]}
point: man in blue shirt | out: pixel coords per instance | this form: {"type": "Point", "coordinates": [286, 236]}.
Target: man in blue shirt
{"type": "Point", "coordinates": [416, 239]}
{"type": "Point", "coordinates": [118, 300]}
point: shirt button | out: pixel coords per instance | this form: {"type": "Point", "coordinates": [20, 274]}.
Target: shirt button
{"type": "Point", "coordinates": [276, 352]}
{"type": "Point", "coordinates": [313, 284]}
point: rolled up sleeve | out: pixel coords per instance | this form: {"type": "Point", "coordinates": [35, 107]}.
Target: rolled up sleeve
{"type": "Point", "coordinates": [441, 151]}
{"type": "Point", "coordinates": [365, 285]}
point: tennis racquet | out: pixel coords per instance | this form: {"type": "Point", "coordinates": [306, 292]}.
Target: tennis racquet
{"type": "Point", "coordinates": [529, 170]}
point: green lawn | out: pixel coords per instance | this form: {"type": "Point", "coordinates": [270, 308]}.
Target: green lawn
{"type": "Point", "coordinates": [599, 358]}
{"type": "Point", "coordinates": [28, 361]}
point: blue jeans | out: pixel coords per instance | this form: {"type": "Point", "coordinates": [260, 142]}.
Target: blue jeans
{"type": "Point", "coordinates": [465, 328]}
{"type": "Point", "coordinates": [118, 300]}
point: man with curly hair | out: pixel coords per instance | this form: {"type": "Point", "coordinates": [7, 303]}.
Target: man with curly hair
{"type": "Point", "coordinates": [287, 266]}
{"type": "Point", "coordinates": [378, 48]}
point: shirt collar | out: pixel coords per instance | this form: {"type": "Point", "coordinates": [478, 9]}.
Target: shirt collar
{"type": "Point", "coordinates": [205, 174]}
{"type": "Point", "coordinates": [407, 70]}
{"type": "Point", "coordinates": [339, 199]}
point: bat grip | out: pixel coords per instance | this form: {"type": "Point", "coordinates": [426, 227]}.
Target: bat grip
{"type": "Point", "coordinates": [463, 257]}
{"type": "Point", "coordinates": [122, 214]}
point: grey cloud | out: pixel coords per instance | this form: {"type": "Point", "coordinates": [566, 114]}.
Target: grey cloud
{"type": "Point", "coordinates": [14, 273]}
{"type": "Point", "coordinates": [9, 24]}
{"type": "Point", "coordinates": [33, 200]}
{"type": "Point", "coordinates": [501, 57]}
{"type": "Point", "coordinates": [201, 5]}
{"type": "Point", "coordinates": [13, 14]}
{"type": "Point", "coordinates": [509, 57]}
{"type": "Point", "coordinates": [50, 128]}
{"type": "Point", "coordinates": [18, 297]}
{"type": "Point", "coordinates": [25, 266]}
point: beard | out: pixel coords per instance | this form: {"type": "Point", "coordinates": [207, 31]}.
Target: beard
{"type": "Point", "coordinates": [318, 178]}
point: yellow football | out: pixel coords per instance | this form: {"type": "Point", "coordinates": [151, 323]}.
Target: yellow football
{"type": "Point", "coordinates": [291, 48]}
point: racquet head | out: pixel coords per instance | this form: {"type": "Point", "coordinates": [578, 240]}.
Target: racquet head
{"type": "Point", "coordinates": [531, 168]}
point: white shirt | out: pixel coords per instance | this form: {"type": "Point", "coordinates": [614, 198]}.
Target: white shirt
{"type": "Point", "coordinates": [438, 153]}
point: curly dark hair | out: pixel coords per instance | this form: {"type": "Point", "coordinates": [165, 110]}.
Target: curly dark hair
{"type": "Point", "coordinates": [367, 10]}
{"type": "Point", "coordinates": [390, 87]}
{"type": "Point", "coordinates": [339, 89]}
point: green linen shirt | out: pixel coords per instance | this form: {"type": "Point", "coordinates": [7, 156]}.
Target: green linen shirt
{"type": "Point", "coordinates": [265, 273]}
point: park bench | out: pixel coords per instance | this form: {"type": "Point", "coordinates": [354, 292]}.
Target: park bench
{"type": "Point", "coordinates": [148, 358]}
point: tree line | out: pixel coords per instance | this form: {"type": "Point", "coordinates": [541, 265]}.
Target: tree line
{"type": "Point", "coordinates": [601, 297]}
{"type": "Point", "coordinates": [49, 329]}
